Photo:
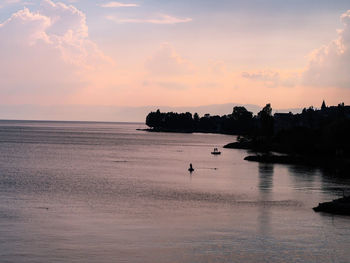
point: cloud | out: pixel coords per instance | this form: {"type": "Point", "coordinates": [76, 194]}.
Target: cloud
{"type": "Point", "coordinates": [266, 75]}
{"type": "Point", "coordinates": [9, 2]}
{"type": "Point", "coordinates": [6, 3]}
{"type": "Point", "coordinates": [166, 62]}
{"type": "Point", "coordinates": [171, 85]}
{"type": "Point", "coordinates": [46, 53]}
{"type": "Point", "coordinates": [118, 4]}
{"type": "Point", "coordinates": [218, 67]}
{"type": "Point", "coordinates": [329, 65]}
{"type": "Point", "coordinates": [272, 78]}
{"type": "Point", "coordinates": [12, 1]}
{"type": "Point", "coordinates": [162, 19]}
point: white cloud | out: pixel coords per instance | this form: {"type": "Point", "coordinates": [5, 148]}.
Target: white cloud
{"type": "Point", "coordinates": [9, 2]}
{"type": "Point", "coordinates": [171, 85]}
{"type": "Point", "coordinates": [46, 53]}
{"type": "Point", "coordinates": [273, 78]}
{"type": "Point", "coordinates": [118, 4]}
{"type": "Point", "coordinates": [218, 67]}
{"type": "Point", "coordinates": [160, 19]}
{"type": "Point", "coordinates": [266, 75]}
{"type": "Point", "coordinates": [12, 1]}
{"type": "Point", "coordinates": [166, 62]}
{"type": "Point", "coordinates": [6, 3]}
{"type": "Point", "coordinates": [329, 66]}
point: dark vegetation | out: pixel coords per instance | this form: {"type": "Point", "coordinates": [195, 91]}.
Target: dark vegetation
{"type": "Point", "coordinates": [315, 136]}
{"type": "Point", "coordinates": [240, 121]}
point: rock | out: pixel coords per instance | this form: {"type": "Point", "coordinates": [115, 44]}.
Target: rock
{"type": "Point", "coordinates": [339, 206]}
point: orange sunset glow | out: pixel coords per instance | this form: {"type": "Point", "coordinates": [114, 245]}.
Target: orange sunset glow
{"type": "Point", "coordinates": [89, 53]}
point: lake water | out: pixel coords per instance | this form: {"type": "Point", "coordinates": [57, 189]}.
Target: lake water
{"type": "Point", "coordinates": [105, 192]}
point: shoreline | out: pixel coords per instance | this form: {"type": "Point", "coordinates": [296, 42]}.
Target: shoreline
{"type": "Point", "coordinates": [264, 155]}
{"type": "Point", "coordinates": [263, 152]}
{"type": "Point", "coordinates": [340, 206]}
{"type": "Point", "coordinates": [184, 131]}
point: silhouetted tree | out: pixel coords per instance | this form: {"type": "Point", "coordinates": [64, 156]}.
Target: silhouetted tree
{"type": "Point", "coordinates": [241, 113]}
{"type": "Point", "coordinates": [195, 120]}
{"type": "Point", "coordinates": [311, 132]}
{"type": "Point", "coordinates": [196, 117]}
{"type": "Point", "coordinates": [266, 120]}
{"type": "Point", "coordinates": [170, 121]}
{"type": "Point", "coordinates": [153, 119]}
{"type": "Point", "coordinates": [239, 122]}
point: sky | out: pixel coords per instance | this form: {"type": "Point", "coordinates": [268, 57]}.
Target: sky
{"type": "Point", "coordinates": [132, 54]}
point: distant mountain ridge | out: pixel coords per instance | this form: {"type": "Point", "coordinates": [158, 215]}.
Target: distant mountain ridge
{"type": "Point", "coordinates": [114, 113]}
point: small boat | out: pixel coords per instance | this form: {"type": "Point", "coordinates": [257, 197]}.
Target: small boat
{"type": "Point", "coordinates": [216, 151]}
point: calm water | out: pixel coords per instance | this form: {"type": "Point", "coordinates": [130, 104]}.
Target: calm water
{"type": "Point", "coordinates": [102, 192]}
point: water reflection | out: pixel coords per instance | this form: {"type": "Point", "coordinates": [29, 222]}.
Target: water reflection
{"type": "Point", "coordinates": [265, 186]}
{"type": "Point", "coordinates": [265, 177]}
{"type": "Point", "coordinates": [304, 178]}
{"type": "Point", "coordinates": [335, 184]}
{"type": "Point", "coordinates": [147, 210]}
{"type": "Point", "coordinates": [308, 178]}
{"type": "Point", "coordinates": [302, 170]}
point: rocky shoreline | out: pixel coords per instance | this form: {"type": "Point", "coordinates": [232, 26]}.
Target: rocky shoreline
{"type": "Point", "coordinates": [340, 206]}
{"type": "Point", "coordinates": [263, 154]}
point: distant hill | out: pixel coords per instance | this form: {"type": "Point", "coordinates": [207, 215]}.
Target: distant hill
{"type": "Point", "coordinates": [112, 113]}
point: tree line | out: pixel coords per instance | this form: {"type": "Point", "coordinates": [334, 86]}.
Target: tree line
{"type": "Point", "coordinates": [323, 133]}
{"type": "Point", "coordinates": [240, 121]}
